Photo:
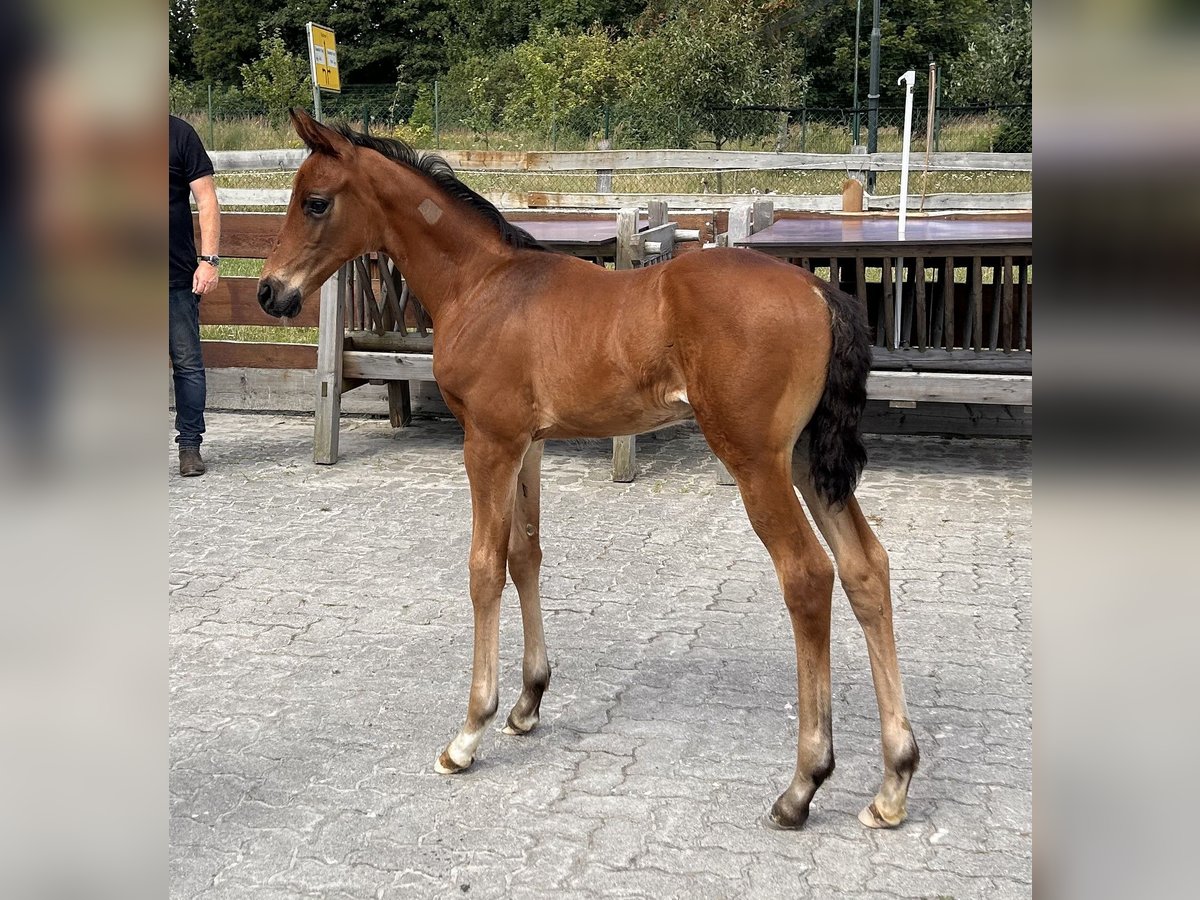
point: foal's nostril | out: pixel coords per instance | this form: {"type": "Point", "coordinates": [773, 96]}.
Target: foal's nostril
{"type": "Point", "coordinates": [264, 293]}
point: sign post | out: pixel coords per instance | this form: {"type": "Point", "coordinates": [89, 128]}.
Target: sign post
{"type": "Point", "coordinates": [323, 63]}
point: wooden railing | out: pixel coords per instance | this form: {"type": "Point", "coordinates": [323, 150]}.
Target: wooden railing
{"type": "Point", "coordinates": [604, 163]}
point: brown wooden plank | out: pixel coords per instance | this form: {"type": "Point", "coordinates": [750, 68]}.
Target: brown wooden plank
{"type": "Point", "coordinates": [919, 301]}
{"type": "Point", "coordinates": [948, 305]}
{"type": "Point", "coordinates": [935, 359]}
{"type": "Point", "coordinates": [1023, 323]}
{"type": "Point", "coordinates": [234, 301]}
{"type": "Point", "coordinates": [994, 325]}
{"type": "Point", "coordinates": [976, 301]}
{"type": "Point", "coordinates": [860, 280]}
{"type": "Point", "coordinates": [246, 235]}
{"type": "Point", "coordinates": [1006, 307]}
{"type": "Point", "coordinates": [889, 309]}
{"type": "Point", "coordinates": [254, 355]}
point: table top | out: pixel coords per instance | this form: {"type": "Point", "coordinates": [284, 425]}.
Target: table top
{"type": "Point", "coordinates": [575, 235]}
{"type": "Point", "coordinates": [832, 232]}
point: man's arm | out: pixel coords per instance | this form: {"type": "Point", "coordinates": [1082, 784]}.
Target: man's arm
{"type": "Point", "coordinates": [205, 192]}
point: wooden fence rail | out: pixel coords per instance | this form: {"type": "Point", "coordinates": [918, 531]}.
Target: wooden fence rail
{"type": "Point", "coordinates": [632, 160]}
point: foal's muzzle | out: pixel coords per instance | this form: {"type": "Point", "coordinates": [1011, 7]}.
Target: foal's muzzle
{"type": "Point", "coordinates": [277, 302]}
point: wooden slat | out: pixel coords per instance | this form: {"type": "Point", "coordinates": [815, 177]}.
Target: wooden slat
{"type": "Point", "coordinates": [622, 160]}
{"type": "Point", "coordinates": [1023, 323]}
{"type": "Point", "coordinates": [935, 359]}
{"type": "Point", "coordinates": [388, 366]}
{"type": "Point", "coordinates": [948, 305]}
{"type": "Point", "coordinates": [234, 301]}
{"type": "Point", "coordinates": [1006, 308]}
{"type": "Point", "coordinates": [994, 325]}
{"type": "Point", "coordinates": [520, 200]}
{"type": "Point", "coordinates": [1015, 390]}
{"type": "Point", "coordinates": [256, 355]}
{"type": "Point", "coordinates": [976, 278]}
{"type": "Point", "coordinates": [919, 302]}
{"type": "Point", "coordinates": [860, 280]}
{"type": "Point", "coordinates": [246, 235]}
{"type": "Point", "coordinates": [889, 304]}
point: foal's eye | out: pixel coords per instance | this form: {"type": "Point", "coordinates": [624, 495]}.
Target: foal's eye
{"type": "Point", "coordinates": [316, 206]}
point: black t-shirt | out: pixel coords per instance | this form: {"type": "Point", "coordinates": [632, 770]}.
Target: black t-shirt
{"type": "Point", "coordinates": [189, 161]}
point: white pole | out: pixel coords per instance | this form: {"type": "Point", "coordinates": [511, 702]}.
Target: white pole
{"type": "Point", "coordinates": [908, 79]}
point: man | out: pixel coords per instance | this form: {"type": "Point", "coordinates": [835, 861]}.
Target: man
{"type": "Point", "coordinates": [192, 276]}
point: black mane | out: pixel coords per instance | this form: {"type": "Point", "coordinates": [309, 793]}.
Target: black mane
{"type": "Point", "coordinates": [439, 172]}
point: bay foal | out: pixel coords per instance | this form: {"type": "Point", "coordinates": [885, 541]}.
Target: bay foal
{"type": "Point", "coordinates": [530, 345]}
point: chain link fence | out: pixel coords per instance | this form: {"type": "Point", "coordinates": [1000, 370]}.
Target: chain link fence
{"type": "Point", "coordinates": [422, 116]}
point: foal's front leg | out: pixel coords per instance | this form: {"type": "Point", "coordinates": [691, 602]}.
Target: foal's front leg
{"type": "Point", "coordinates": [492, 470]}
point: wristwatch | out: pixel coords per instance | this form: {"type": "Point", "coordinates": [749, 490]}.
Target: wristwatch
{"type": "Point", "coordinates": [214, 261]}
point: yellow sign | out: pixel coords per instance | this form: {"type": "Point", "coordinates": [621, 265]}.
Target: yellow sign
{"type": "Point", "coordinates": [322, 53]}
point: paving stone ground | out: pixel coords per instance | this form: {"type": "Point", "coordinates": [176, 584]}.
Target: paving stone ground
{"type": "Point", "coordinates": [320, 651]}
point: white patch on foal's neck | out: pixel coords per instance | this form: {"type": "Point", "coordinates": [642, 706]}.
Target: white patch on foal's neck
{"type": "Point", "coordinates": [430, 211]}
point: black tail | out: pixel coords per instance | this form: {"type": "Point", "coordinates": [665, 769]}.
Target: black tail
{"type": "Point", "coordinates": [836, 453]}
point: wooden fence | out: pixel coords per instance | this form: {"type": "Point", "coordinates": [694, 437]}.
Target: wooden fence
{"type": "Point", "coordinates": [602, 164]}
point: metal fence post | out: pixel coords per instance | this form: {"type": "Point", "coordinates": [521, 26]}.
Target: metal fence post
{"type": "Point", "coordinates": [437, 118]}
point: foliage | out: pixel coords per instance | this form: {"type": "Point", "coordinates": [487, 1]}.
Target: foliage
{"type": "Point", "coordinates": [564, 79]}
{"type": "Point", "coordinates": [227, 36]}
{"type": "Point", "coordinates": [997, 65]}
{"type": "Point", "coordinates": [704, 59]}
{"type": "Point", "coordinates": [909, 31]}
{"type": "Point", "coordinates": [278, 79]}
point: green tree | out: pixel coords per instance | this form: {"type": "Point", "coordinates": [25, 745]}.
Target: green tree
{"type": "Point", "coordinates": [565, 80]}
{"type": "Point", "coordinates": [227, 34]}
{"type": "Point", "coordinates": [181, 28]}
{"type": "Point", "coordinates": [823, 33]}
{"type": "Point", "coordinates": [277, 80]}
{"type": "Point", "coordinates": [997, 64]}
{"type": "Point", "coordinates": [703, 65]}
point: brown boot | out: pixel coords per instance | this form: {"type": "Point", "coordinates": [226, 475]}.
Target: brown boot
{"type": "Point", "coordinates": [190, 462]}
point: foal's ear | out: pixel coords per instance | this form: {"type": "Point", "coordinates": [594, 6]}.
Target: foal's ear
{"type": "Point", "coordinates": [317, 137]}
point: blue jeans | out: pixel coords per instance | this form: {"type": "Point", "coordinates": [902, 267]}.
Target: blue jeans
{"type": "Point", "coordinates": [188, 366]}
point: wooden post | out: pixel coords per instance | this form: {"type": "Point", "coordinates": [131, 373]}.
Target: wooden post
{"type": "Point", "coordinates": [762, 216]}
{"type": "Point", "coordinates": [399, 403]}
{"type": "Point", "coordinates": [852, 195]}
{"type": "Point", "coordinates": [976, 303]}
{"type": "Point", "coordinates": [657, 210]}
{"type": "Point", "coordinates": [624, 461]}
{"type": "Point", "coordinates": [329, 368]}
{"type": "Point", "coordinates": [741, 223]}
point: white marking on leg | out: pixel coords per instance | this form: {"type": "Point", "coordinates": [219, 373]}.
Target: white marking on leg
{"type": "Point", "coordinates": [462, 749]}
{"type": "Point", "coordinates": [679, 396]}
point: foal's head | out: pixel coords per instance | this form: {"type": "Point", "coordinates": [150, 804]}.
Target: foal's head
{"type": "Point", "coordinates": [333, 216]}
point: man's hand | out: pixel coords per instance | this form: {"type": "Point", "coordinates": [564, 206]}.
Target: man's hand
{"type": "Point", "coordinates": [205, 278]}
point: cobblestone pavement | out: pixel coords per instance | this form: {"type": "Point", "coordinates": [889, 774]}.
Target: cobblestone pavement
{"type": "Point", "coordinates": [320, 653]}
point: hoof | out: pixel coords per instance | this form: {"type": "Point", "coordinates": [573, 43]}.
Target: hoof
{"type": "Point", "coordinates": [512, 726]}
{"type": "Point", "coordinates": [444, 765]}
{"type": "Point", "coordinates": [785, 815]}
{"type": "Point", "coordinates": [873, 818]}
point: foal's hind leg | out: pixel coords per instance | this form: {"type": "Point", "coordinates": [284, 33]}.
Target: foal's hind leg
{"type": "Point", "coordinates": [524, 565]}
{"type": "Point", "coordinates": [806, 578]}
{"type": "Point", "coordinates": [863, 568]}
